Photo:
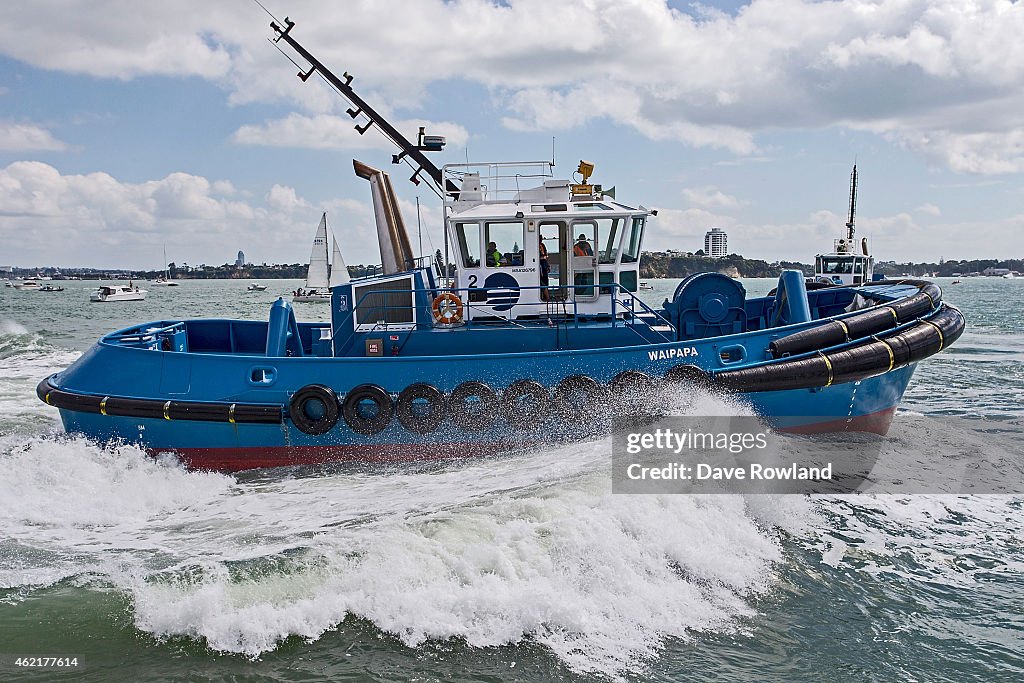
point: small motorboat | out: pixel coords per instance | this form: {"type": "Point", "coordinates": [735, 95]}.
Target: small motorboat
{"type": "Point", "coordinates": [256, 287]}
{"type": "Point", "coordinates": [27, 284]}
{"type": "Point", "coordinates": [50, 288]}
{"type": "Point", "coordinates": [646, 285]}
{"type": "Point", "coordinates": [118, 293]}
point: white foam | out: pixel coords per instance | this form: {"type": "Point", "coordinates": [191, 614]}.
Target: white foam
{"type": "Point", "coordinates": [11, 328]}
{"type": "Point", "coordinates": [941, 538]}
{"type": "Point", "coordinates": [493, 552]}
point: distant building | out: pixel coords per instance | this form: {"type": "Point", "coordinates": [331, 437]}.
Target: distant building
{"type": "Point", "coordinates": [716, 243]}
{"type": "Point", "coordinates": [997, 272]}
{"type": "Point", "coordinates": [240, 261]}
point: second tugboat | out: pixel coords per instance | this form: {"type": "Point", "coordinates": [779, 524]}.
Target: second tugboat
{"type": "Point", "coordinates": [849, 263]}
{"type": "Point", "coordinates": [533, 332]}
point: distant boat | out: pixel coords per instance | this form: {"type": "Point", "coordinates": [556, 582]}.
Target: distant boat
{"type": "Point", "coordinates": [845, 266]}
{"type": "Point", "coordinates": [166, 280]}
{"type": "Point", "coordinates": [646, 285]}
{"type": "Point", "coordinates": [27, 284]}
{"type": "Point", "coordinates": [256, 287]}
{"type": "Point", "coordinates": [50, 288]}
{"type": "Point", "coordinates": [1009, 276]}
{"type": "Point", "coordinates": [318, 285]}
{"type": "Point", "coordinates": [118, 293]}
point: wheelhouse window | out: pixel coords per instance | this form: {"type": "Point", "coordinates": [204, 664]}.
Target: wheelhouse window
{"type": "Point", "coordinates": [504, 244]}
{"type": "Point", "coordinates": [841, 265]}
{"type": "Point", "coordinates": [631, 246]}
{"type": "Point", "coordinates": [467, 235]}
{"type": "Point", "coordinates": [584, 237]}
{"type": "Point", "coordinates": [610, 235]}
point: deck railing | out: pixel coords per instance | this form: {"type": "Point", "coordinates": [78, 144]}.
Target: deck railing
{"type": "Point", "coordinates": [624, 308]}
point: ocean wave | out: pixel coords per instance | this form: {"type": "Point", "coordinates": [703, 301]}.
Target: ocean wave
{"type": "Point", "coordinates": [523, 548]}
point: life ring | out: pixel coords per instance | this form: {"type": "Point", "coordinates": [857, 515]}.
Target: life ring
{"type": "Point", "coordinates": [522, 413]}
{"type": "Point", "coordinates": [576, 395]}
{"type": "Point", "coordinates": [469, 415]}
{"type": "Point", "coordinates": [633, 392]}
{"type": "Point", "coordinates": [314, 409]}
{"type": "Point", "coordinates": [382, 411]}
{"type": "Point", "coordinates": [420, 421]}
{"type": "Point", "coordinates": [447, 308]}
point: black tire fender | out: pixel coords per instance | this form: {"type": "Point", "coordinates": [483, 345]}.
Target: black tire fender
{"type": "Point", "coordinates": [689, 375]}
{"type": "Point", "coordinates": [633, 392]}
{"type": "Point", "coordinates": [361, 423]}
{"type": "Point", "coordinates": [532, 414]}
{"type": "Point", "coordinates": [435, 413]}
{"type": "Point", "coordinates": [569, 389]}
{"type": "Point", "coordinates": [307, 397]}
{"type": "Point", "coordinates": [473, 420]}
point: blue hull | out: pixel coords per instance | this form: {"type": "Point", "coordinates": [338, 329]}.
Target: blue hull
{"type": "Point", "coordinates": [114, 370]}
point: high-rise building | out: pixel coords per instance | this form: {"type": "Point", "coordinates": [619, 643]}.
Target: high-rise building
{"type": "Point", "coordinates": [716, 243]}
{"type": "Point", "coordinates": [240, 261]}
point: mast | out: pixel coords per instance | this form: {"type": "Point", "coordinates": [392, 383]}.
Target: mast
{"type": "Point", "coordinates": [425, 143]}
{"type": "Point", "coordinates": [853, 204]}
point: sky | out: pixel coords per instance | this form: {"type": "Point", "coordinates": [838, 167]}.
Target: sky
{"type": "Point", "coordinates": [127, 128]}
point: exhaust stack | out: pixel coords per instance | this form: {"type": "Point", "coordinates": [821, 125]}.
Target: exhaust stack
{"type": "Point", "coordinates": [395, 250]}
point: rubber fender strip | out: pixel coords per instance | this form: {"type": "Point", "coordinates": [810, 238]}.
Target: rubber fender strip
{"type": "Point", "coordinates": [828, 364]}
{"type": "Point", "coordinates": [916, 341]}
{"type": "Point", "coordinates": [942, 340]}
{"type": "Point", "coordinates": [253, 413]}
{"type": "Point", "coordinates": [864, 324]}
{"type": "Point", "coordinates": [892, 356]}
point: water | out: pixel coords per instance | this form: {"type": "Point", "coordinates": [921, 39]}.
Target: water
{"type": "Point", "coordinates": [517, 568]}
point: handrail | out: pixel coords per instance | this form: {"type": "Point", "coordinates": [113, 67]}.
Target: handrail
{"type": "Point", "coordinates": [137, 333]}
{"type": "Point", "coordinates": [628, 304]}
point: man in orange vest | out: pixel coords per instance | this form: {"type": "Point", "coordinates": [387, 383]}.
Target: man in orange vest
{"type": "Point", "coordinates": [582, 247]}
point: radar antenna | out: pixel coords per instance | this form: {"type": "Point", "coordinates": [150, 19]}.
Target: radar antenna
{"type": "Point", "coordinates": [853, 204]}
{"type": "Point", "coordinates": [414, 152]}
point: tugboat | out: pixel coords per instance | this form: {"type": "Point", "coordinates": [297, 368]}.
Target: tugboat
{"type": "Point", "coordinates": [849, 263]}
{"type": "Point", "coordinates": [529, 331]}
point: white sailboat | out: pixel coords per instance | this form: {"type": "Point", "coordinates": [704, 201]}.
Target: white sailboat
{"type": "Point", "coordinates": [166, 280]}
{"type": "Point", "coordinates": [318, 284]}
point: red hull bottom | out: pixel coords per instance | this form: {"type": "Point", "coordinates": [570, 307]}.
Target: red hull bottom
{"type": "Point", "coordinates": [875, 423]}
{"type": "Point", "coordinates": [239, 459]}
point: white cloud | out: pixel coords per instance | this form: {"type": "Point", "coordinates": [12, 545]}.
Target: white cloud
{"type": "Point", "coordinates": [27, 137]}
{"type": "Point", "coordinates": [325, 131]}
{"type": "Point", "coordinates": [97, 220]}
{"type": "Point", "coordinates": [710, 197]}
{"type": "Point", "coordinates": [285, 199]}
{"type": "Point", "coordinates": [929, 209]}
{"type": "Point", "coordinates": [945, 78]}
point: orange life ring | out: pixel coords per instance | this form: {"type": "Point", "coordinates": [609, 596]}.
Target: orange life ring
{"type": "Point", "coordinates": [447, 308]}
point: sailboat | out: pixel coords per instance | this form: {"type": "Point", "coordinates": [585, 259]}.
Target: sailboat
{"type": "Point", "coordinates": [318, 285]}
{"type": "Point", "coordinates": [166, 280]}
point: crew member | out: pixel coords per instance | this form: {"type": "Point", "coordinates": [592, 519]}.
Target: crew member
{"type": "Point", "coordinates": [493, 255]}
{"type": "Point", "coordinates": [582, 247]}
